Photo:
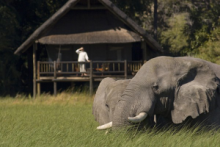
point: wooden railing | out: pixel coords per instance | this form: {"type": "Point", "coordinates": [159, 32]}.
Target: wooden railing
{"type": "Point", "coordinates": [68, 71]}
{"type": "Point", "coordinates": [97, 68]}
{"type": "Point", "coordinates": [134, 66]}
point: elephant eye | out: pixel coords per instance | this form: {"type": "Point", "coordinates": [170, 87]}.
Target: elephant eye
{"type": "Point", "coordinates": [155, 87]}
{"type": "Point", "coordinates": [107, 106]}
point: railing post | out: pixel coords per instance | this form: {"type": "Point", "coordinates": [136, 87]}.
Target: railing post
{"type": "Point", "coordinates": [91, 79]}
{"type": "Point", "coordinates": [103, 69]}
{"type": "Point", "coordinates": [38, 77]}
{"type": "Point", "coordinates": [126, 69]}
{"type": "Point", "coordinates": [55, 76]}
{"type": "Point", "coordinates": [34, 69]}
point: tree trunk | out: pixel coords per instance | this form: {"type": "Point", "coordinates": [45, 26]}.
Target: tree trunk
{"type": "Point", "coordinates": [155, 19]}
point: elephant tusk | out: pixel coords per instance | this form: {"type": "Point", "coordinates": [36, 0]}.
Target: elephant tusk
{"type": "Point", "coordinates": [140, 117]}
{"type": "Point", "coordinates": [105, 126]}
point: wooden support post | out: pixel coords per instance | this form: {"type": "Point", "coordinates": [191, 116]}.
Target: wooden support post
{"type": "Point", "coordinates": [34, 69]}
{"type": "Point", "coordinates": [144, 49]}
{"type": "Point", "coordinates": [38, 77]}
{"type": "Point", "coordinates": [89, 4]}
{"type": "Point", "coordinates": [102, 66]}
{"type": "Point", "coordinates": [126, 69]}
{"type": "Point", "coordinates": [55, 76]}
{"type": "Point", "coordinates": [118, 66]}
{"type": "Point", "coordinates": [30, 70]}
{"type": "Point", "coordinates": [91, 79]}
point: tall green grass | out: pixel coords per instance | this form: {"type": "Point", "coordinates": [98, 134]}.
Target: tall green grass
{"type": "Point", "coordinates": [67, 120]}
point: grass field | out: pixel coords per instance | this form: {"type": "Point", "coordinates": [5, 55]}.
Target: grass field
{"type": "Point", "coordinates": [67, 121]}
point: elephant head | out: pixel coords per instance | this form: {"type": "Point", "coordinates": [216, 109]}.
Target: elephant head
{"type": "Point", "coordinates": [100, 111]}
{"type": "Point", "coordinates": [179, 88]}
{"type": "Point", "coordinates": [106, 98]}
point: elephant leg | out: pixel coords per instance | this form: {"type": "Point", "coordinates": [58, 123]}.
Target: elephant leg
{"type": "Point", "coordinates": [162, 121]}
{"type": "Point", "coordinates": [210, 120]}
{"type": "Point", "coordinates": [213, 119]}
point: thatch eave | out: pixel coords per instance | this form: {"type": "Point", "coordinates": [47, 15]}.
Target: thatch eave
{"type": "Point", "coordinates": [97, 37]}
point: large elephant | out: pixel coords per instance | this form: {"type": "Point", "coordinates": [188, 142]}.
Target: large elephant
{"type": "Point", "coordinates": [176, 88]}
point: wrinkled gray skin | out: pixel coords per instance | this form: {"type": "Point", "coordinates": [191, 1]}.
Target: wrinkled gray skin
{"type": "Point", "coordinates": [175, 88]}
{"type": "Point", "coordinates": [106, 98]}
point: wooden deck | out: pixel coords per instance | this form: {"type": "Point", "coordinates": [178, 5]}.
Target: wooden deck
{"type": "Point", "coordinates": [79, 78]}
{"type": "Point", "coordinates": [68, 71]}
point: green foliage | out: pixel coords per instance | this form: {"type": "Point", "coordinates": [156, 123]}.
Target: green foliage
{"type": "Point", "coordinates": [174, 37]}
{"type": "Point", "coordinates": [18, 19]}
{"type": "Point", "coordinates": [188, 28]}
{"type": "Point", "coordinates": [204, 36]}
{"type": "Point", "coordinates": [8, 26]}
{"type": "Point", "coordinates": [211, 49]}
{"type": "Point", "coordinates": [67, 120]}
{"type": "Point", "coordinates": [9, 39]}
{"type": "Point", "coordinates": [134, 9]}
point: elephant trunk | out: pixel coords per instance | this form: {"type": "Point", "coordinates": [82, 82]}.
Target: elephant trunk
{"type": "Point", "coordinates": [120, 117]}
{"type": "Point", "coordinates": [134, 106]}
{"type": "Point", "coordinates": [121, 114]}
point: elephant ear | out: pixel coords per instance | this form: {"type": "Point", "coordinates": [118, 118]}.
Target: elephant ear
{"type": "Point", "coordinates": [196, 92]}
{"type": "Point", "coordinates": [100, 110]}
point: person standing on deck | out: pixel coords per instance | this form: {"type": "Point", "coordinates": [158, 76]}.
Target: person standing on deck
{"type": "Point", "coordinates": [82, 57]}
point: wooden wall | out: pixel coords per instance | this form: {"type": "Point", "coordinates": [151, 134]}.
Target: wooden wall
{"type": "Point", "coordinates": [96, 52]}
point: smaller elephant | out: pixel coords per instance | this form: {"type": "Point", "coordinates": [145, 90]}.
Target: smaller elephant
{"type": "Point", "coordinates": [107, 96]}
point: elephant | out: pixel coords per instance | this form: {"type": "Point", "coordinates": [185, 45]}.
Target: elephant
{"type": "Point", "coordinates": [176, 88]}
{"type": "Point", "coordinates": [106, 97]}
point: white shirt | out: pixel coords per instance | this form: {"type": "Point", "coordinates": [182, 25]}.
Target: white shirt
{"type": "Point", "coordinates": [82, 56]}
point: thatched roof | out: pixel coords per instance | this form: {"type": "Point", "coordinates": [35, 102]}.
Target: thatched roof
{"type": "Point", "coordinates": [89, 28]}
{"type": "Point", "coordinates": [96, 26]}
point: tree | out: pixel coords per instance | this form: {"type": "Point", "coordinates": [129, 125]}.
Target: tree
{"type": "Point", "coordinates": [155, 19]}
{"type": "Point", "coordinates": [134, 9]}
{"type": "Point", "coordinates": [19, 18]}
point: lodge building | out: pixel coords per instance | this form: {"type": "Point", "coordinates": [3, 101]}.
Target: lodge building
{"type": "Point", "coordinates": [116, 45]}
